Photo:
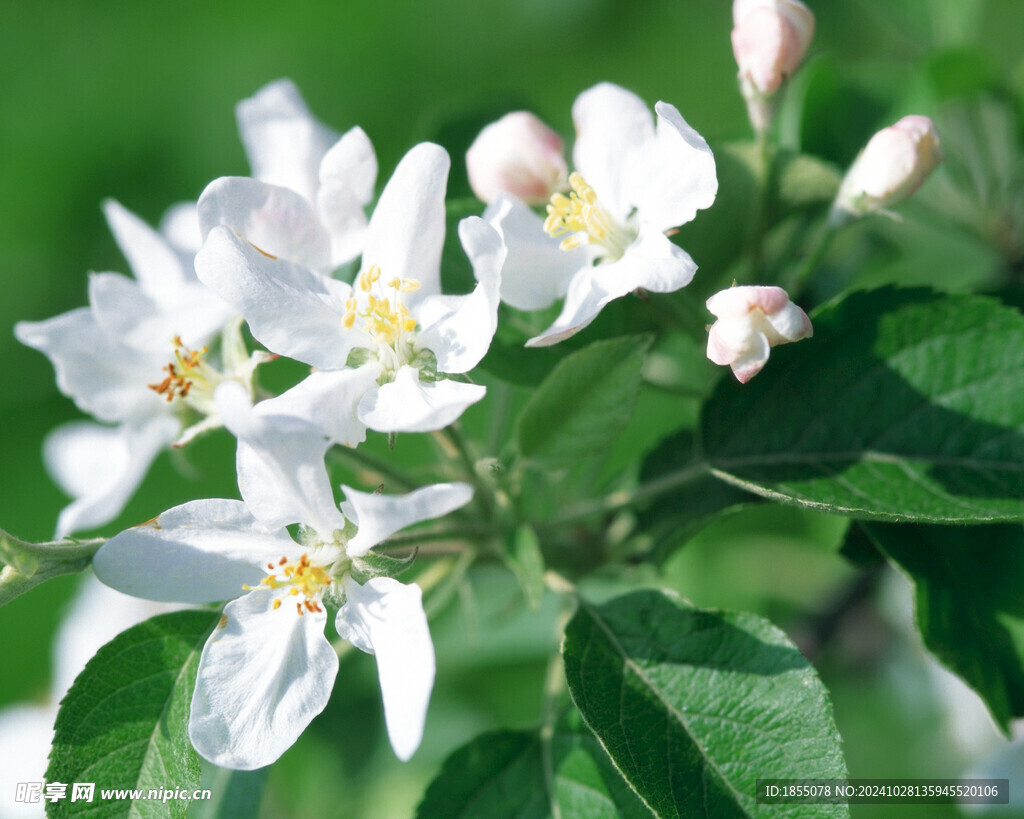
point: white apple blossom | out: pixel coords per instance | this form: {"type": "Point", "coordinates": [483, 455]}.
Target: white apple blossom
{"type": "Point", "coordinates": [135, 359]}
{"type": "Point", "coordinates": [309, 188]}
{"type": "Point", "coordinates": [635, 181]}
{"type": "Point", "coordinates": [268, 669]}
{"type": "Point", "coordinates": [394, 324]}
{"type": "Point", "coordinates": [895, 163]}
{"type": "Point", "coordinates": [519, 155]}
{"type": "Point", "coordinates": [751, 320]}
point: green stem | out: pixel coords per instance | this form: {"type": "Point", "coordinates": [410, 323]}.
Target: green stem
{"type": "Point", "coordinates": [813, 258]}
{"type": "Point", "coordinates": [766, 168]}
{"type": "Point", "coordinates": [554, 688]}
{"type": "Point", "coordinates": [30, 564]}
{"type": "Point", "coordinates": [454, 443]}
{"type": "Point", "coordinates": [624, 498]}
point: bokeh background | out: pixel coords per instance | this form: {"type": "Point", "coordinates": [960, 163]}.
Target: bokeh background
{"type": "Point", "coordinates": [134, 101]}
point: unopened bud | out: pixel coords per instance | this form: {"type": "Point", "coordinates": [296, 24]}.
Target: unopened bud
{"type": "Point", "coordinates": [519, 155]}
{"type": "Point", "coordinates": [893, 165]}
{"type": "Point", "coordinates": [751, 320]}
{"type": "Point", "coordinates": [769, 40]}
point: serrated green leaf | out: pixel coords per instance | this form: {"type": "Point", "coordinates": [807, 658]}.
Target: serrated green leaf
{"type": "Point", "coordinates": [124, 723]}
{"type": "Point", "coordinates": [905, 405]}
{"type": "Point", "coordinates": [584, 403]}
{"type": "Point", "coordinates": [512, 774]}
{"type": "Point", "coordinates": [968, 603]}
{"type": "Point", "coordinates": [695, 706]}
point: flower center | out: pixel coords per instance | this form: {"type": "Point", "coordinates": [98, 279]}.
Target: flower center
{"type": "Point", "coordinates": [187, 375]}
{"type": "Point", "coordinates": [383, 316]}
{"type": "Point", "coordinates": [301, 578]}
{"type": "Point", "coordinates": [587, 221]}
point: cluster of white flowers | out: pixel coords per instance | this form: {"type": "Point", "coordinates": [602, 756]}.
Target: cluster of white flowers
{"type": "Point", "coordinates": [388, 351]}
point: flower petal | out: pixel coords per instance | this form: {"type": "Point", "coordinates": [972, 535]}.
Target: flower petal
{"type": "Point", "coordinates": [406, 231]}
{"type": "Point", "coordinates": [459, 329]}
{"type": "Point", "coordinates": [106, 379]}
{"type": "Point", "coordinates": [385, 618]}
{"type": "Point", "coordinates": [280, 461]}
{"type": "Point", "coordinates": [157, 267]}
{"type": "Point", "coordinates": [536, 272]}
{"type": "Point", "coordinates": [613, 127]}
{"type": "Point", "coordinates": [652, 262]}
{"type": "Point", "coordinates": [263, 676]}
{"type": "Point", "coordinates": [348, 174]}
{"type": "Point", "coordinates": [380, 516]}
{"type": "Point", "coordinates": [290, 309]}
{"type": "Point", "coordinates": [408, 404]}
{"type": "Point", "coordinates": [282, 139]}
{"type": "Point", "coordinates": [276, 221]}
{"type": "Point", "coordinates": [677, 177]}
{"type": "Point", "coordinates": [101, 467]}
{"type": "Point", "coordinates": [199, 552]}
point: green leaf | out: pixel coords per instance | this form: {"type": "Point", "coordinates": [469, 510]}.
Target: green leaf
{"type": "Point", "coordinates": [695, 706]}
{"type": "Point", "coordinates": [124, 723]}
{"type": "Point", "coordinates": [905, 405]}
{"type": "Point", "coordinates": [513, 773]}
{"type": "Point", "coordinates": [584, 403]}
{"type": "Point", "coordinates": [968, 603]}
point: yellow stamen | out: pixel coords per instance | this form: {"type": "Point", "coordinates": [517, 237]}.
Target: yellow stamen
{"type": "Point", "coordinates": [300, 577]}
{"type": "Point", "coordinates": [187, 368]}
{"type": "Point", "coordinates": [582, 219]}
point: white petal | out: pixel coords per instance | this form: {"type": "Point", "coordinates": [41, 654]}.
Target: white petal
{"type": "Point", "coordinates": [180, 227]}
{"type": "Point", "coordinates": [290, 309]}
{"type": "Point", "coordinates": [613, 126]}
{"type": "Point", "coordinates": [101, 467]}
{"type": "Point", "coordinates": [157, 267]}
{"type": "Point", "coordinates": [282, 139]}
{"type": "Point", "coordinates": [750, 363]}
{"type": "Point", "coordinates": [789, 324]}
{"type": "Point", "coordinates": [130, 316]}
{"type": "Point", "coordinates": [386, 618]}
{"type": "Point", "coordinates": [280, 461]}
{"type": "Point", "coordinates": [199, 552]}
{"type": "Point", "coordinates": [536, 272]}
{"type": "Point", "coordinates": [406, 231]}
{"type": "Point", "coordinates": [676, 177]}
{"type": "Point", "coordinates": [410, 405]}
{"type": "Point", "coordinates": [26, 732]}
{"type": "Point", "coordinates": [459, 329]}
{"type": "Point", "coordinates": [329, 400]}
{"type": "Point", "coordinates": [106, 379]}
{"type": "Point", "coordinates": [348, 174]}
{"type": "Point", "coordinates": [263, 676]}
{"type": "Point", "coordinates": [380, 516]}
{"type": "Point", "coordinates": [275, 220]}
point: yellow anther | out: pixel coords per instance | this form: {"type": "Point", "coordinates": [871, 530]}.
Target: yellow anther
{"type": "Point", "coordinates": [187, 368]}
{"type": "Point", "coordinates": [585, 220]}
{"type": "Point", "coordinates": [373, 274]}
{"type": "Point", "coordinates": [276, 604]}
{"type": "Point", "coordinates": [349, 320]}
{"type": "Point", "coordinates": [386, 319]}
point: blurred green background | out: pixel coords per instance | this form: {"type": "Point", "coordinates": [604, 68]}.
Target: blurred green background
{"type": "Point", "coordinates": [135, 101]}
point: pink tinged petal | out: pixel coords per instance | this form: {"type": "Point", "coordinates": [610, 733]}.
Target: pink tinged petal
{"type": "Point", "coordinates": [790, 323]}
{"type": "Point", "coordinates": [101, 467]}
{"type": "Point", "coordinates": [652, 262]}
{"type": "Point", "coordinates": [280, 462]}
{"type": "Point", "coordinates": [275, 220]}
{"type": "Point", "coordinates": [105, 378]}
{"type": "Point", "coordinates": [536, 272]}
{"type": "Point", "coordinates": [676, 177]}
{"type": "Point", "coordinates": [199, 552]}
{"type": "Point", "coordinates": [459, 329]}
{"type": "Point", "coordinates": [750, 363]}
{"type": "Point", "coordinates": [156, 265]}
{"type": "Point", "coordinates": [613, 128]}
{"type": "Point", "coordinates": [329, 400]}
{"type": "Point", "coordinates": [406, 231]}
{"type": "Point", "coordinates": [263, 676]}
{"type": "Point", "coordinates": [379, 516]}
{"type": "Point", "coordinates": [282, 139]}
{"type": "Point", "coordinates": [410, 405]}
{"type": "Point", "coordinates": [290, 309]}
{"type": "Point", "coordinates": [518, 155]}
{"type": "Point", "coordinates": [385, 618]}
{"type": "Point", "coordinates": [738, 302]}
{"type": "Point", "coordinates": [348, 174]}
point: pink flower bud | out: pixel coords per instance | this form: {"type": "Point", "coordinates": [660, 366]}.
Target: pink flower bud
{"type": "Point", "coordinates": [893, 165]}
{"type": "Point", "coordinates": [751, 320]}
{"type": "Point", "coordinates": [769, 39]}
{"type": "Point", "coordinates": [520, 155]}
